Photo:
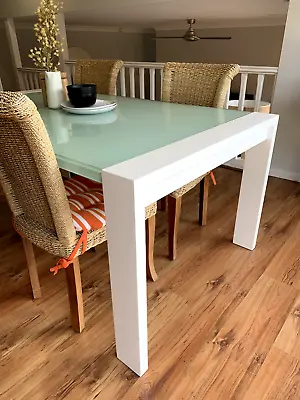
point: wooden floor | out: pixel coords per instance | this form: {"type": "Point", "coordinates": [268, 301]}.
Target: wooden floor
{"type": "Point", "coordinates": [224, 322]}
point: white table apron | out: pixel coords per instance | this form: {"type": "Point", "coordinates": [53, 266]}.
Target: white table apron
{"type": "Point", "coordinates": [132, 185]}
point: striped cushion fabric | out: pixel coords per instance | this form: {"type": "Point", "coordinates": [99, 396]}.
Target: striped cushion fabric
{"type": "Point", "coordinates": [92, 218]}
{"type": "Point", "coordinates": [84, 200]}
{"type": "Point", "coordinates": [86, 203]}
{"type": "Point", "coordinates": [79, 184]}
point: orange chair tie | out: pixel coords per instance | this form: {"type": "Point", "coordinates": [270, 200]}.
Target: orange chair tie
{"type": "Point", "coordinates": [213, 178]}
{"type": "Point", "coordinates": [65, 262]}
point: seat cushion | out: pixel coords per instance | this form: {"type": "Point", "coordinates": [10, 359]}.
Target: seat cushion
{"type": "Point", "coordinates": [86, 203]}
{"type": "Point", "coordinates": [79, 184]}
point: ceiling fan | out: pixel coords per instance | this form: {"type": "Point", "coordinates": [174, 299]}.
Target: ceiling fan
{"type": "Point", "coordinates": [191, 36]}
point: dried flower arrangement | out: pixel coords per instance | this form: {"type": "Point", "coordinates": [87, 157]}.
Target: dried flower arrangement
{"type": "Point", "coordinates": [46, 56]}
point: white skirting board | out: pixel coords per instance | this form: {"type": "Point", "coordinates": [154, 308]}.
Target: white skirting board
{"type": "Point", "coordinates": [276, 172]}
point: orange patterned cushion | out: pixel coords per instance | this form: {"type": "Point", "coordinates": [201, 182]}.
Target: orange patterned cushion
{"type": "Point", "coordinates": [84, 200]}
{"type": "Point", "coordinates": [79, 184]}
{"type": "Point", "coordinates": [86, 203]}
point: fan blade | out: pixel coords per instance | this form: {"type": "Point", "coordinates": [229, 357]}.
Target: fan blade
{"type": "Point", "coordinates": [196, 38]}
{"type": "Point", "coordinates": [168, 37]}
{"type": "Point", "coordinates": [216, 38]}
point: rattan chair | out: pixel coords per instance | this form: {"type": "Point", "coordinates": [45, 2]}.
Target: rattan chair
{"type": "Point", "coordinates": [199, 85]}
{"type": "Point", "coordinates": [32, 183]}
{"type": "Point", "coordinates": [103, 73]}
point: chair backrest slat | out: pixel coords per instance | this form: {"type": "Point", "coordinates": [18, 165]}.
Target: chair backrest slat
{"type": "Point", "coordinates": [103, 73]}
{"type": "Point", "coordinates": [198, 84]}
{"type": "Point", "coordinates": [29, 173]}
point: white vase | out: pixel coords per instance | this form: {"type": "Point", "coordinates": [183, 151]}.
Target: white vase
{"type": "Point", "coordinates": [54, 89]}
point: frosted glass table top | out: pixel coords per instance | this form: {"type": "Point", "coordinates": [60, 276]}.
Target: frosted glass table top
{"type": "Point", "coordinates": [86, 144]}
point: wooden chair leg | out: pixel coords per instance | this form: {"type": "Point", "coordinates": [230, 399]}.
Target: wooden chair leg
{"type": "Point", "coordinates": [162, 204]}
{"type": "Point", "coordinates": [32, 269]}
{"type": "Point", "coordinates": [75, 295]}
{"type": "Point", "coordinates": [150, 238]}
{"type": "Point", "coordinates": [174, 216]}
{"type": "Point", "coordinates": [203, 200]}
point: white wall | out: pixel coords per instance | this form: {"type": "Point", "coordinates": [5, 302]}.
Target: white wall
{"type": "Point", "coordinates": [88, 41]}
{"type": "Point", "coordinates": [128, 46]}
{"type": "Point", "coordinates": [260, 45]}
{"type": "Point", "coordinates": [286, 103]}
{"type": "Point", "coordinates": [248, 46]}
{"type": "Point", "coordinates": [6, 68]}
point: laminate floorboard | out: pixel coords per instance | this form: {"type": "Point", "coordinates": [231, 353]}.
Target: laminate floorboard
{"type": "Point", "coordinates": [223, 322]}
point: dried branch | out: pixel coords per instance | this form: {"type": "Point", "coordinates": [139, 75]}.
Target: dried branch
{"type": "Point", "coordinates": [46, 56]}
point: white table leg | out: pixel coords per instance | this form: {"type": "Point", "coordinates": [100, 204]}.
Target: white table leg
{"type": "Point", "coordinates": [252, 193]}
{"type": "Point", "coordinates": [127, 263]}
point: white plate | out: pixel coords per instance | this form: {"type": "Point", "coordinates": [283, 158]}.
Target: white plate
{"type": "Point", "coordinates": [101, 106]}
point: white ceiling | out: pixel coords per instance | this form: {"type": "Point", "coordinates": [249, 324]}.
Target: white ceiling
{"type": "Point", "coordinates": [155, 13]}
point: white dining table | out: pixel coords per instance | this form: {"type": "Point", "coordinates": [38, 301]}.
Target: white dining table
{"type": "Point", "coordinates": [141, 152]}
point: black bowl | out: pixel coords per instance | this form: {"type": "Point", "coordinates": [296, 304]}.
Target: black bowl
{"type": "Point", "coordinates": [82, 95]}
